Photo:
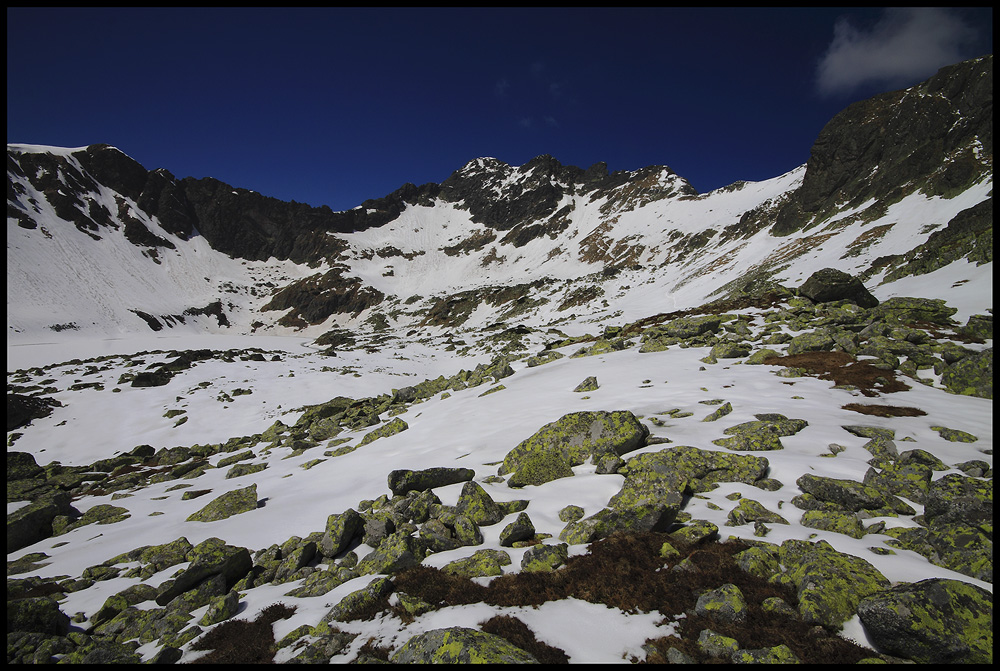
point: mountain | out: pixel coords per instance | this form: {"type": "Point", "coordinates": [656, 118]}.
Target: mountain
{"type": "Point", "coordinates": [533, 412]}
{"type": "Point", "coordinates": [890, 181]}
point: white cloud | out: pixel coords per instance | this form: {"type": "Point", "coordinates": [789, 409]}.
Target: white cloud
{"type": "Point", "coordinates": [906, 45]}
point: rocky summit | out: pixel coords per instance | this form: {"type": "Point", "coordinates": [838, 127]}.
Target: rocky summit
{"type": "Point", "coordinates": [531, 414]}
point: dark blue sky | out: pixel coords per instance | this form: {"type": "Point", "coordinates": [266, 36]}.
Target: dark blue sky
{"type": "Point", "coordinates": [335, 106]}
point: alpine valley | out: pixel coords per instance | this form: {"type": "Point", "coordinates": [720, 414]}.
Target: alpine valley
{"type": "Point", "coordinates": [533, 413]}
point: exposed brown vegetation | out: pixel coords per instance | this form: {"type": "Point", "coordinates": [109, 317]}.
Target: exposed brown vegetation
{"type": "Point", "coordinates": [626, 571]}
{"type": "Point", "coordinates": [884, 410]}
{"type": "Point", "coordinates": [843, 369]}
{"type": "Point", "coordinates": [242, 641]}
{"type": "Point", "coordinates": [518, 634]}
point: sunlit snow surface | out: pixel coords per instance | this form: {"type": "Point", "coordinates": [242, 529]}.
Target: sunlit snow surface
{"type": "Point", "coordinates": [465, 430]}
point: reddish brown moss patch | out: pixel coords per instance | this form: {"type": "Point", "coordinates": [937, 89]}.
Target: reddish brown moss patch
{"type": "Point", "coordinates": [843, 369]}
{"type": "Point", "coordinates": [884, 410]}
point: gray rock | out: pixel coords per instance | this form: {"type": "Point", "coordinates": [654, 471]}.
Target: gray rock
{"type": "Point", "coordinates": [830, 284]}
{"type": "Point", "coordinates": [725, 604]}
{"type": "Point", "coordinates": [460, 645]}
{"type": "Point", "coordinates": [403, 481]}
{"type": "Point", "coordinates": [934, 621]}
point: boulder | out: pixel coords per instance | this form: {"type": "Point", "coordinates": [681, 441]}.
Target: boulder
{"type": "Point", "coordinates": [477, 505]}
{"type": "Point", "coordinates": [725, 604]}
{"type": "Point", "coordinates": [340, 531]}
{"type": "Point", "coordinates": [575, 438]}
{"type": "Point", "coordinates": [908, 310]}
{"type": "Point", "coordinates": [231, 503]}
{"type": "Point", "coordinates": [693, 470]}
{"type": "Point", "coordinates": [209, 558]}
{"type": "Point", "coordinates": [830, 584]}
{"type": "Point", "coordinates": [971, 376]}
{"type": "Point", "coordinates": [934, 621]}
{"type": "Point", "coordinates": [351, 605]}
{"type": "Point", "coordinates": [460, 645]}
{"type": "Point", "coordinates": [847, 495]}
{"type": "Point", "coordinates": [482, 563]}
{"type": "Point", "coordinates": [38, 614]}
{"type": "Point", "coordinates": [403, 481]}
{"type": "Point", "coordinates": [521, 529]}
{"type": "Point", "coordinates": [390, 428]}
{"type": "Point", "coordinates": [31, 523]}
{"type": "Point", "coordinates": [544, 557]}
{"type": "Point", "coordinates": [959, 499]}
{"type": "Point", "coordinates": [830, 284]}
{"type": "Point", "coordinates": [631, 519]}
{"type": "Point", "coordinates": [22, 466]}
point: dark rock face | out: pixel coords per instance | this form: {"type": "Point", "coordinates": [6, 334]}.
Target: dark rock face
{"type": "Point", "coordinates": [831, 284]}
{"type": "Point", "coordinates": [22, 409]}
{"type": "Point", "coordinates": [903, 137]}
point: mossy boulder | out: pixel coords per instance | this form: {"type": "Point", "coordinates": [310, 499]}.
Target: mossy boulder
{"type": "Point", "coordinates": [724, 604]}
{"type": "Point", "coordinates": [209, 558]}
{"type": "Point", "coordinates": [934, 621]}
{"type": "Point", "coordinates": [971, 376]}
{"type": "Point", "coordinates": [690, 327]}
{"type": "Point", "coordinates": [830, 584]}
{"type": "Point", "coordinates": [460, 645]}
{"type": "Point", "coordinates": [37, 614]}
{"type": "Point", "coordinates": [521, 529]}
{"type": "Point", "coordinates": [847, 495]}
{"type": "Point", "coordinates": [537, 468]}
{"type": "Point", "coordinates": [482, 563]}
{"type": "Point", "coordinates": [341, 529]}
{"type": "Point", "coordinates": [576, 437]}
{"type": "Point", "coordinates": [231, 503]}
{"type": "Point", "coordinates": [959, 499]}
{"type": "Point", "coordinates": [748, 511]}
{"type": "Point", "coordinates": [819, 340]}
{"type": "Point", "coordinates": [761, 434]}
{"type": "Point", "coordinates": [403, 481]}
{"type": "Point", "coordinates": [830, 284]}
{"type": "Point", "coordinates": [589, 384]}
{"type": "Point", "coordinates": [390, 428]}
{"type": "Point", "coordinates": [544, 558]}
{"type": "Point", "coordinates": [909, 310]}
{"type": "Point", "coordinates": [630, 519]}
{"type": "Point", "coordinates": [395, 552]}
{"type": "Point", "coordinates": [693, 470]}
{"type": "Point", "coordinates": [477, 505]}
{"type": "Point", "coordinates": [831, 520]}
{"type": "Point", "coordinates": [357, 601]}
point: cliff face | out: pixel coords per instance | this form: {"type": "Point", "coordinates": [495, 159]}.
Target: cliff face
{"type": "Point", "coordinates": [936, 137]}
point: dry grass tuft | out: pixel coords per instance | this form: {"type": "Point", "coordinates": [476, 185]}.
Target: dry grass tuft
{"type": "Point", "coordinates": [842, 369]}
{"type": "Point", "coordinates": [518, 634]}
{"type": "Point", "coordinates": [242, 641]}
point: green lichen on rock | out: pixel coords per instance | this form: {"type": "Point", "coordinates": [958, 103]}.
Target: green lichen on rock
{"type": "Point", "coordinates": [934, 621]}
{"type": "Point", "coordinates": [590, 384]}
{"type": "Point", "coordinates": [231, 503]}
{"type": "Point", "coordinates": [540, 467]}
{"type": "Point", "coordinates": [459, 645]}
{"type": "Point", "coordinates": [954, 435]}
{"type": "Point", "coordinates": [971, 376]}
{"type": "Point", "coordinates": [846, 495]}
{"type": "Point", "coordinates": [760, 356]}
{"type": "Point", "coordinates": [634, 518]}
{"type": "Point", "coordinates": [390, 428]}
{"type": "Point", "coordinates": [724, 604]}
{"type": "Point", "coordinates": [831, 520]}
{"type": "Point", "coordinates": [482, 563]}
{"type": "Point", "coordinates": [748, 510]}
{"type": "Point", "coordinates": [544, 558]}
{"type": "Point", "coordinates": [830, 584]}
{"type": "Point", "coordinates": [575, 437]}
{"type": "Point", "coordinates": [910, 310]}
{"type": "Point", "coordinates": [719, 412]}
{"type": "Point", "coordinates": [357, 601]}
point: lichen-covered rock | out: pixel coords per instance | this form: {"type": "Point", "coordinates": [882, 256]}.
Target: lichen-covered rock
{"type": "Point", "coordinates": [476, 504]}
{"type": "Point", "coordinates": [934, 621]}
{"type": "Point", "coordinates": [459, 645]}
{"type": "Point", "coordinates": [340, 531]}
{"type": "Point", "coordinates": [909, 310]}
{"type": "Point", "coordinates": [590, 384]}
{"type": "Point", "coordinates": [482, 563]}
{"type": "Point", "coordinates": [693, 470]}
{"type": "Point", "coordinates": [848, 495]}
{"type": "Point", "coordinates": [31, 523]}
{"type": "Point", "coordinates": [816, 341]}
{"type": "Point", "coordinates": [831, 520]}
{"type": "Point", "coordinates": [730, 350]}
{"type": "Point", "coordinates": [37, 614]}
{"type": "Point", "coordinates": [403, 481]}
{"type": "Point", "coordinates": [972, 376]}
{"type": "Point", "coordinates": [231, 503]}
{"type": "Point", "coordinates": [358, 600]}
{"type": "Point", "coordinates": [959, 499]}
{"type": "Point", "coordinates": [544, 557]}
{"type": "Point", "coordinates": [579, 436]}
{"type": "Point", "coordinates": [690, 327]}
{"type": "Point", "coordinates": [830, 284]}
{"type": "Point", "coordinates": [633, 518]}
{"type": "Point", "coordinates": [396, 552]}
{"type": "Point", "coordinates": [760, 356]}
{"type": "Point", "coordinates": [390, 428]}
{"type": "Point", "coordinates": [717, 645]}
{"type": "Point", "coordinates": [521, 529]}
{"type": "Point", "coordinates": [748, 510]}
{"type": "Point", "coordinates": [221, 608]}
{"type": "Point", "coordinates": [696, 531]}
{"type": "Point", "coordinates": [779, 654]}
{"type": "Point", "coordinates": [760, 435]}
{"type": "Point", "coordinates": [725, 604]}
{"type": "Point", "coordinates": [954, 435]}
{"type": "Point", "coordinates": [830, 584]}
{"type": "Point", "coordinates": [539, 467]}
{"type": "Point", "coordinates": [209, 558]}
{"type": "Point", "coordinates": [909, 480]}
{"type": "Point", "coordinates": [719, 412]}
{"type": "Point", "coordinates": [571, 513]}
